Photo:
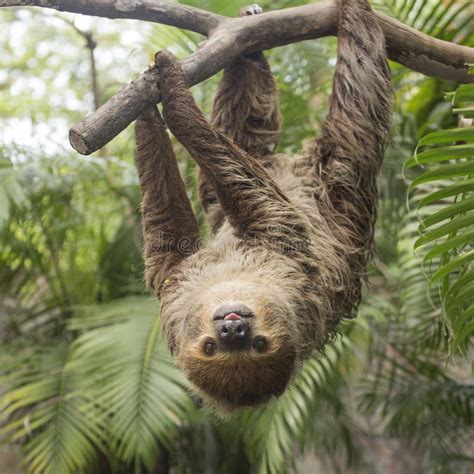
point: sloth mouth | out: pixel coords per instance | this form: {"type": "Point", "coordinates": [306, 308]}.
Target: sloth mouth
{"type": "Point", "coordinates": [232, 317]}
{"type": "Point", "coordinates": [233, 313]}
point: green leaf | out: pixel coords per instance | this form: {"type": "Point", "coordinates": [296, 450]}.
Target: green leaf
{"type": "Point", "coordinates": [466, 331]}
{"type": "Point", "coordinates": [452, 266]}
{"type": "Point", "coordinates": [464, 93]}
{"type": "Point", "coordinates": [448, 212]}
{"type": "Point", "coordinates": [462, 282]}
{"type": "Point", "coordinates": [460, 188]}
{"type": "Point", "coordinates": [450, 271]}
{"type": "Point", "coordinates": [448, 171]}
{"type": "Point", "coordinates": [451, 243]}
{"type": "Point", "coordinates": [136, 385]}
{"type": "Point", "coordinates": [439, 154]}
{"type": "Point", "coordinates": [448, 136]}
{"type": "Point", "coordinates": [66, 438]}
{"type": "Point", "coordinates": [451, 227]}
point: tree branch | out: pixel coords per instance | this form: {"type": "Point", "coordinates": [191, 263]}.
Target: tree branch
{"type": "Point", "coordinates": [156, 11]}
{"type": "Point", "coordinates": [230, 37]}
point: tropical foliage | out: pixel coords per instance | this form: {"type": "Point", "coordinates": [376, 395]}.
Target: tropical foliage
{"type": "Point", "coordinates": [86, 384]}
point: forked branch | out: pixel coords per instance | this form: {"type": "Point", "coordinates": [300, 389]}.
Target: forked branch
{"type": "Point", "coordinates": [230, 37]}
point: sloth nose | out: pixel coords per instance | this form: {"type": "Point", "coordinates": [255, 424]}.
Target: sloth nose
{"type": "Point", "coordinates": [233, 334]}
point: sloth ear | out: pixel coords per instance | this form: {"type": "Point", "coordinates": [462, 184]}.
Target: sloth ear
{"type": "Point", "coordinates": [170, 230]}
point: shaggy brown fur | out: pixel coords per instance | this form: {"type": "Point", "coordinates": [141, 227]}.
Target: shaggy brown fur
{"type": "Point", "coordinates": [246, 108]}
{"type": "Point", "coordinates": [292, 235]}
{"type": "Point", "coordinates": [165, 205]}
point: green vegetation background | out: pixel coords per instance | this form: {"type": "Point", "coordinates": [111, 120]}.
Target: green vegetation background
{"type": "Point", "coordinates": [86, 384]}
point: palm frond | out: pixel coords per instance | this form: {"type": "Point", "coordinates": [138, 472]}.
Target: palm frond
{"type": "Point", "coordinates": [446, 204]}
{"type": "Point", "coordinates": [440, 18]}
{"type": "Point", "coordinates": [115, 390]}
{"type": "Point", "coordinates": [45, 409]}
{"type": "Point", "coordinates": [141, 393]}
{"type": "Point", "coordinates": [408, 387]}
{"type": "Point", "coordinates": [418, 400]}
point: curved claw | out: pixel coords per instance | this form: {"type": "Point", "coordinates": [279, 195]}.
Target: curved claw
{"type": "Point", "coordinates": [164, 59]}
{"type": "Point", "coordinates": [253, 9]}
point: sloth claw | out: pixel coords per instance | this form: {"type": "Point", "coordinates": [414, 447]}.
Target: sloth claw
{"type": "Point", "coordinates": [253, 9]}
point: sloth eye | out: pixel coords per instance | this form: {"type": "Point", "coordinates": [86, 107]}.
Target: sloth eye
{"type": "Point", "coordinates": [257, 121]}
{"type": "Point", "coordinates": [210, 348]}
{"type": "Point", "coordinates": [260, 344]}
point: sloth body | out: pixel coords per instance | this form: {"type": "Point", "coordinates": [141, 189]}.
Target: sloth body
{"type": "Point", "coordinates": [287, 310]}
{"type": "Point", "coordinates": [291, 236]}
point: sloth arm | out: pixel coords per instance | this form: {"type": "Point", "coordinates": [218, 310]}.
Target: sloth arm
{"type": "Point", "coordinates": [246, 109]}
{"type": "Point", "coordinates": [349, 153]}
{"type": "Point", "coordinates": [170, 229]}
{"type": "Point", "coordinates": [246, 105]}
{"type": "Point", "coordinates": [253, 203]}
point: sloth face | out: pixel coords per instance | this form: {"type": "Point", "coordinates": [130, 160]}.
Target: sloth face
{"type": "Point", "coordinates": [240, 323]}
{"type": "Point", "coordinates": [237, 350]}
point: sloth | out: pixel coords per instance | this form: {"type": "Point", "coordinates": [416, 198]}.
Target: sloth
{"type": "Point", "coordinates": [291, 236]}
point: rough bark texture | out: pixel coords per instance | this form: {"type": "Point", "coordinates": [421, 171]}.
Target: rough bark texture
{"type": "Point", "coordinates": [166, 13]}
{"type": "Point", "coordinates": [227, 39]}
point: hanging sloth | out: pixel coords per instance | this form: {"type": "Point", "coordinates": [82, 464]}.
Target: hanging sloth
{"type": "Point", "coordinates": [291, 235]}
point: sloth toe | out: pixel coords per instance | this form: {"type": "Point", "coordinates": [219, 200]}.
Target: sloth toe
{"type": "Point", "coordinates": [253, 9]}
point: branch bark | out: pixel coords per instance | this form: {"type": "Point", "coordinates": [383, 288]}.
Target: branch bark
{"type": "Point", "coordinates": [230, 37]}
{"type": "Point", "coordinates": [156, 11]}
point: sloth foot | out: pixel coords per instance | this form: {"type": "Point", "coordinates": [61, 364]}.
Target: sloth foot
{"type": "Point", "coordinates": [253, 9]}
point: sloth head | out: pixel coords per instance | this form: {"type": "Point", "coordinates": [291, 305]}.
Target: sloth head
{"type": "Point", "coordinates": [236, 350]}
{"type": "Point", "coordinates": [238, 340]}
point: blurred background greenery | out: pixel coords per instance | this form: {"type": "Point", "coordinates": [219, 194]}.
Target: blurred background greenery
{"type": "Point", "coordinates": [86, 384]}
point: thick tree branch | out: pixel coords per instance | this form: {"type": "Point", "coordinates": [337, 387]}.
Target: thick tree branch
{"type": "Point", "coordinates": [227, 38]}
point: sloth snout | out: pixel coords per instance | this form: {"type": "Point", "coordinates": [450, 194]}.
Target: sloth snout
{"type": "Point", "coordinates": [233, 334]}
